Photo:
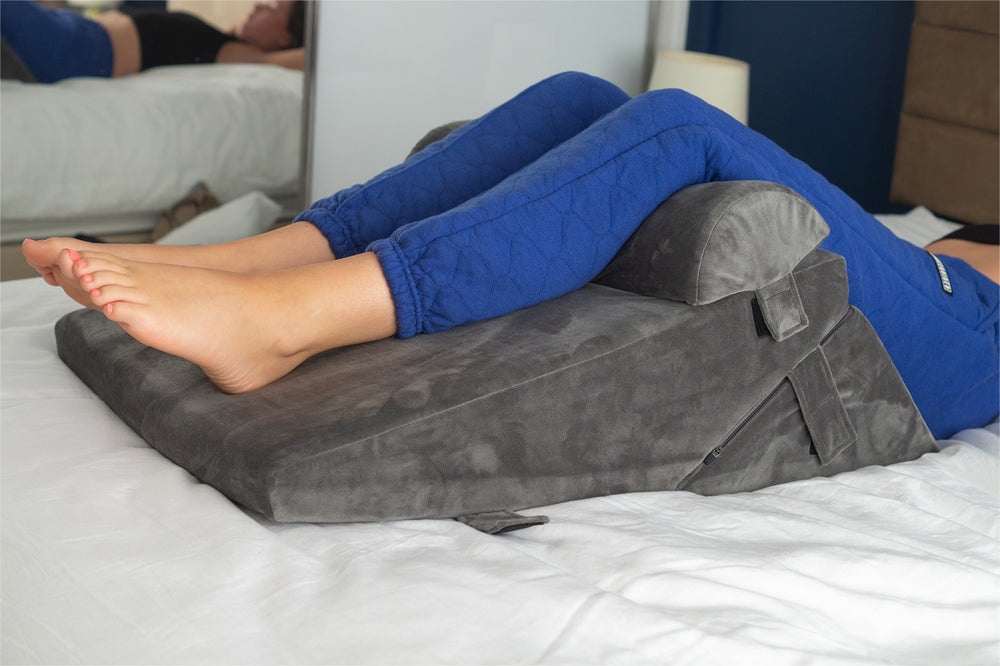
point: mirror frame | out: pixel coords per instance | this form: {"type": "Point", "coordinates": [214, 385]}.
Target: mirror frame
{"type": "Point", "coordinates": [304, 197]}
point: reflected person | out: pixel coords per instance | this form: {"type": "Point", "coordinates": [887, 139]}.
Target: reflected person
{"type": "Point", "coordinates": [57, 44]}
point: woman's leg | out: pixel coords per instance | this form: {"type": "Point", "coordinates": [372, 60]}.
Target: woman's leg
{"type": "Point", "coordinates": [469, 161]}
{"type": "Point", "coordinates": [552, 226]}
{"type": "Point", "coordinates": [56, 44]}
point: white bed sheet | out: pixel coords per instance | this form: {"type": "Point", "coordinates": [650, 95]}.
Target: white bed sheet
{"type": "Point", "coordinates": [112, 554]}
{"type": "Point", "coordinates": [90, 147]}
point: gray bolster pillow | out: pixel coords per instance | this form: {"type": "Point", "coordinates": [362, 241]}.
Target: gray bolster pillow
{"type": "Point", "coordinates": [713, 240]}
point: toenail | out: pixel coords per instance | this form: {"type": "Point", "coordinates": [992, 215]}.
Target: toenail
{"type": "Point", "coordinates": [88, 278]}
{"type": "Point", "coordinates": [73, 254]}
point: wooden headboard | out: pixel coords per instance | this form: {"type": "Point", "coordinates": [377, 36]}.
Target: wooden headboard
{"type": "Point", "coordinates": [947, 151]}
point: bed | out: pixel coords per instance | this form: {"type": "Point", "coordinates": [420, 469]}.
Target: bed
{"type": "Point", "coordinates": [113, 554]}
{"type": "Point", "coordinates": [103, 156]}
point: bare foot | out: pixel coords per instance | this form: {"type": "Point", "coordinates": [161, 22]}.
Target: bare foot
{"type": "Point", "coordinates": [53, 258]}
{"type": "Point", "coordinates": [43, 255]}
{"type": "Point", "coordinates": [244, 330]}
{"type": "Point", "coordinates": [290, 246]}
{"type": "Point", "coordinates": [54, 263]}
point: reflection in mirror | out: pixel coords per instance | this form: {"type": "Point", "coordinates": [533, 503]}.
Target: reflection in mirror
{"type": "Point", "coordinates": [117, 158]}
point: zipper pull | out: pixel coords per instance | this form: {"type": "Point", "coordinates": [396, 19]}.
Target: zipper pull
{"type": "Point", "coordinates": [711, 457]}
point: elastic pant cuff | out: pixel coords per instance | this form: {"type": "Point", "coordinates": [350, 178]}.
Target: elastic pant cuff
{"type": "Point", "coordinates": [402, 287]}
{"type": "Point", "coordinates": [335, 231]}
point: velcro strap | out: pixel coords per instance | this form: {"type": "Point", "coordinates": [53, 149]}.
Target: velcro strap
{"type": "Point", "coordinates": [782, 308]}
{"type": "Point", "coordinates": [500, 522]}
{"type": "Point", "coordinates": [822, 409]}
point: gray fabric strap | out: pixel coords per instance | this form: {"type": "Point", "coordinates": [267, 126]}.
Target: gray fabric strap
{"type": "Point", "coordinates": [782, 308]}
{"type": "Point", "coordinates": [499, 522]}
{"type": "Point", "coordinates": [822, 409]}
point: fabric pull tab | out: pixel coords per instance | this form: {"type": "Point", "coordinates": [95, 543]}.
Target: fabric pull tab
{"type": "Point", "coordinates": [942, 275]}
{"type": "Point", "coordinates": [500, 522]}
{"type": "Point", "coordinates": [822, 409]}
{"type": "Point", "coordinates": [782, 308]}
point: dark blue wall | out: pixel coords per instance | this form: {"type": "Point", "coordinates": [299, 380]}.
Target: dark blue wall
{"type": "Point", "coordinates": [826, 81]}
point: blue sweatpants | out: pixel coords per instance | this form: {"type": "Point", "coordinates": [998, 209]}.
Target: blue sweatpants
{"type": "Point", "coordinates": [55, 44]}
{"type": "Point", "coordinates": [533, 199]}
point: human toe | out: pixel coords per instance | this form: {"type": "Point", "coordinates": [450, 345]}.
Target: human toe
{"type": "Point", "coordinates": [112, 292]}
{"type": "Point", "coordinates": [66, 259]}
{"type": "Point", "coordinates": [88, 263]}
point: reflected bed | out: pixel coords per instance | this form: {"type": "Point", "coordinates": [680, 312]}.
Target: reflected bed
{"type": "Point", "coordinates": [107, 156]}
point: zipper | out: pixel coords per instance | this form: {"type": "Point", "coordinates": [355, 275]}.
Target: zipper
{"type": "Point", "coordinates": [717, 451]}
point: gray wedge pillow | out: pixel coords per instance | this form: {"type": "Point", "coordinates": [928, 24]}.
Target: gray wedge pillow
{"type": "Point", "coordinates": [600, 391]}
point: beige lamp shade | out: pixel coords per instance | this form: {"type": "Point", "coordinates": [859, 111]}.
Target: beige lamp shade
{"type": "Point", "coordinates": [720, 81]}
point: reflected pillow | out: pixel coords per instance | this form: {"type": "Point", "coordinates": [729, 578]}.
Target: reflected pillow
{"type": "Point", "coordinates": [246, 216]}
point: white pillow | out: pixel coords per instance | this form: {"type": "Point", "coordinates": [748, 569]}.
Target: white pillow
{"type": "Point", "coordinates": [246, 216]}
{"type": "Point", "coordinates": [919, 226]}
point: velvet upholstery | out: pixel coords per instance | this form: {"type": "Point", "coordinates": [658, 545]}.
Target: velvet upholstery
{"type": "Point", "coordinates": [743, 240]}
{"type": "Point", "coordinates": [600, 391]}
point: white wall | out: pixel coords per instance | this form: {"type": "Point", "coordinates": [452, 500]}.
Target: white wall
{"type": "Point", "coordinates": [672, 24]}
{"type": "Point", "coordinates": [389, 70]}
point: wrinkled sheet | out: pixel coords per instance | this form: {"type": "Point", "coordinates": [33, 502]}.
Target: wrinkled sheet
{"type": "Point", "coordinates": [112, 554]}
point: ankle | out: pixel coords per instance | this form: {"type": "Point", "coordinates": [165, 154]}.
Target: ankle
{"type": "Point", "coordinates": [330, 304]}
